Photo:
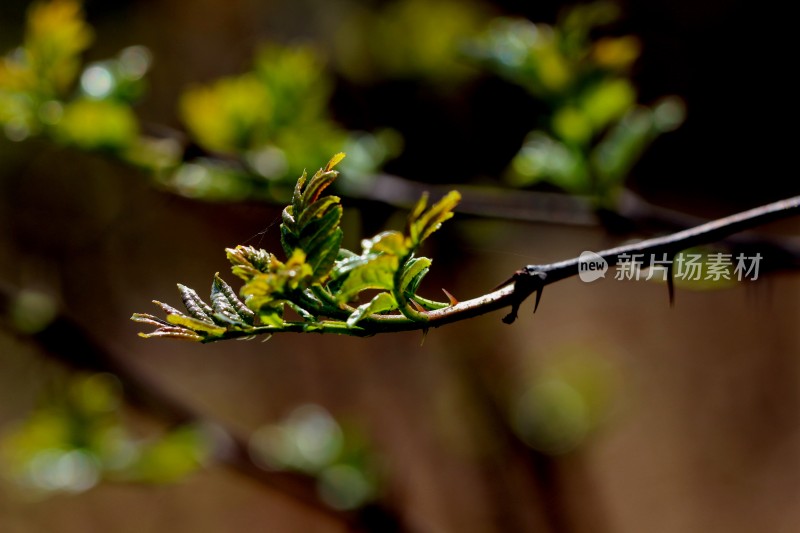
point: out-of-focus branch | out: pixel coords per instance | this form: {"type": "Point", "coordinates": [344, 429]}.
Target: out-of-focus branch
{"type": "Point", "coordinates": [632, 215]}
{"type": "Point", "coordinates": [485, 202]}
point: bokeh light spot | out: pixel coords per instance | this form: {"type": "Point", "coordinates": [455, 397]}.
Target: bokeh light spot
{"type": "Point", "coordinates": [97, 81]}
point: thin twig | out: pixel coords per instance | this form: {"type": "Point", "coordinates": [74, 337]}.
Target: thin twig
{"type": "Point", "coordinates": [482, 201]}
{"type": "Point", "coordinates": [533, 278]}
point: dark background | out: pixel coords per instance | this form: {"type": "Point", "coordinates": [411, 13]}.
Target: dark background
{"type": "Point", "coordinates": [703, 435]}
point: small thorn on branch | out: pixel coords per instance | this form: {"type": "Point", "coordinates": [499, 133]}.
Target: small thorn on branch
{"type": "Point", "coordinates": [416, 306]}
{"type": "Point", "coordinates": [526, 282]}
{"type": "Point", "coordinates": [539, 292]}
{"type": "Point", "coordinates": [450, 297]}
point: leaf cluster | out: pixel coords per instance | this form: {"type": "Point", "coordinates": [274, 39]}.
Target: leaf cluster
{"type": "Point", "coordinates": [320, 281]}
{"type": "Point", "coordinates": [252, 131]}
{"type": "Point", "coordinates": [594, 131]}
{"type": "Point", "coordinates": [274, 114]}
{"type": "Point", "coordinates": [45, 89]}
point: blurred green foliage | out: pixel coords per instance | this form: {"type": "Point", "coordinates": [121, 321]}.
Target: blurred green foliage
{"type": "Point", "coordinates": [409, 39]}
{"type": "Point", "coordinates": [594, 130]}
{"type": "Point", "coordinates": [564, 401]}
{"type": "Point", "coordinates": [276, 115]}
{"type": "Point", "coordinates": [311, 441]}
{"type": "Point", "coordinates": [271, 120]}
{"type": "Point", "coordinates": [77, 437]}
{"type": "Point", "coordinates": [286, 90]}
{"type": "Point", "coordinates": [96, 125]}
{"type": "Point", "coordinates": [256, 128]}
{"type": "Point", "coordinates": [32, 311]}
{"type": "Point", "coordinates": [44, 68]}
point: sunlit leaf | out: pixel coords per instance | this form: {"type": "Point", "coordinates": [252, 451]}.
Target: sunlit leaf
{"type": "Point", "coordinates": [413, 272]}
{"type": "Point", "coordinates": [381, 302]}
{"type": "Point", "coordinates": [335, 160]}
{"type": "Point", "coordinates": [247, 261]}
{"type": "Point", "coordinates": [422, 223]}
{"type": "Point", "coordinates": [378, 273]}
{"type": "Point", "coordinates": [196, 307]}
{"type": "Point", "coordinates": [345, 266]}
{"type": "Point", "coordinates": [390, 242]}
{"type": "Point", "coordinates": [174, 332]}
{"type": "Point", "coordinates": [316, 210]}
{"type": "Point", "coordinates": [195, 325]}
{"type": "Point", "coordinates": [227, 305]}
{"type": "Point", "coordinates": [320, 239]}
{"type": "Point", "coordinates": [278, 283]}
{"type": "Point", "coordinates": [316, 185]}
{"type": "Point", "coordinates": [311, 223]}
{"type": "Point", "coordinates": [319, 281]}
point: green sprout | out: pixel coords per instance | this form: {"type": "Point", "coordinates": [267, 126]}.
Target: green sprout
{"type": "Point", "coordinates": [320, 281]}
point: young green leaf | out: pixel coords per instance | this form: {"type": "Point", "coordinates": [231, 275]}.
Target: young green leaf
{"type": "Point", "coordinates": [197, 307]}
{"type": "Point", "coordinates": [281, 282]}
{"type": "Point", "coordinates": [422, 223]}
{"type": "Point", "coordinates": [311, 223]}
{"type": "Point", "coordinates": [380, 303]}
{"type": "Point", "coordinates": [413, 272]}
{"type": "Point", "coordinates": [378, 273]}
{"type": "Point", "coordinates": [389, 242]}
{"type": "Point", "coordinates": [227, 307]}
{"type": "Point", "coordinates": [347, 265]}
{"type": "Point", "coordinates": [319, 280]}
{"type": "Point", "coordinates": [335, 160]}
{"type": "Point", "coordinates": [247, 261]}
{"type": "Point", "coordinates": [193, 324]}
{"type": "Point", "coordinates": [173, 332]}
{"type": "Point", "coordinates": [320, 239]}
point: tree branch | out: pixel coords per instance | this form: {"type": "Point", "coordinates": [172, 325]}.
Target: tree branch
{"type": "Point", "coordinates": [533, 278]}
